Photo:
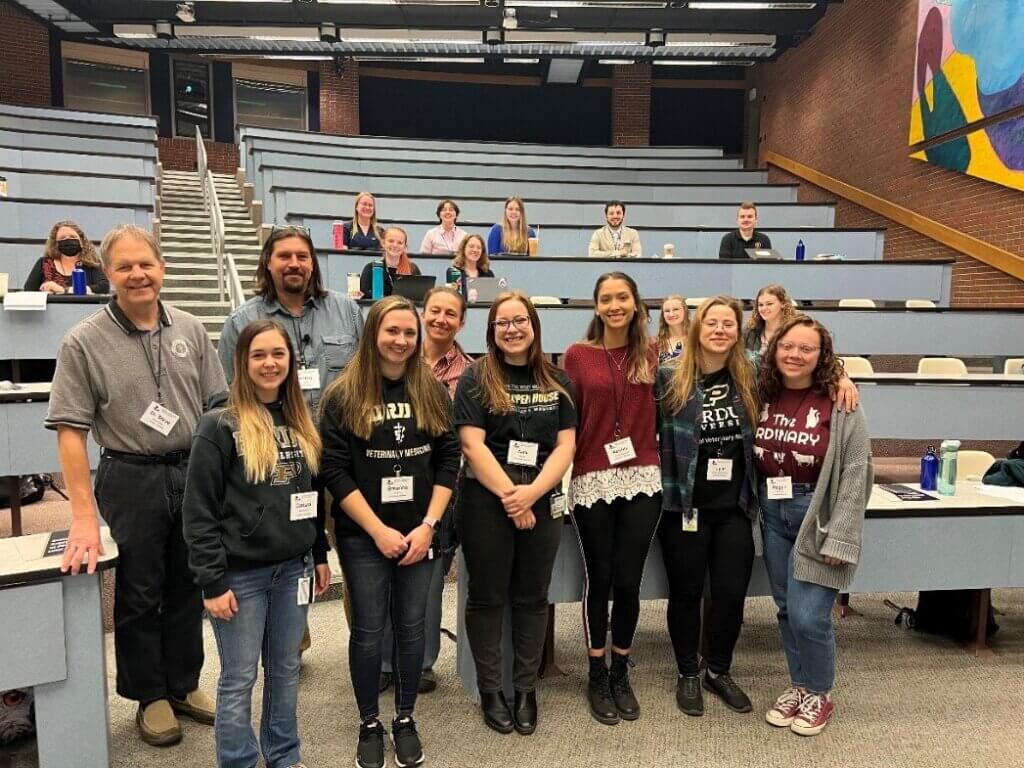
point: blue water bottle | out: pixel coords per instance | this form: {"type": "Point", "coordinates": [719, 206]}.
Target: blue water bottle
{"type": "Point", "coordinates": [800, 250]}
{"type": "Point", "coordinates": [78, 280]}
{"type": "Point", "coordinates": [929, 470]}
{"type": "Point", "coordinates": [377, 291]}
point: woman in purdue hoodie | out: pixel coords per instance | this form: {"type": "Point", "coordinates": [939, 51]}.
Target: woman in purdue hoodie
{"type": "Point", "coordinates": [254, 533]}
{"type": "Point", "coordinates": [390, 462]}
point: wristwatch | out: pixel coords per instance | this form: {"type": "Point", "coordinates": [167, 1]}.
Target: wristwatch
{"type": "Point", "coordinates": [430, 523]}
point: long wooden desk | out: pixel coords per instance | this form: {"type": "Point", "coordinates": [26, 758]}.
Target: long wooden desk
{"type": "Point", "coordinates": [966, 541]}
{"type": "Point", "coordinates": [53, 641]}
{"type": "Point", "coordinates": [574, 278]}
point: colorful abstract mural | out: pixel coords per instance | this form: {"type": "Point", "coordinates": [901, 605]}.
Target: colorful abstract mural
{"type": "Point", "coordinates": [970, 67]}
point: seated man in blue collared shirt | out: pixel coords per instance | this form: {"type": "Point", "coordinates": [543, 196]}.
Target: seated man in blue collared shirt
{"type": "Point", "coordinates": [324, 326]}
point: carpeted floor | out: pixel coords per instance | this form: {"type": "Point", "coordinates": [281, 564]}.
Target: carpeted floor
{"type": "Point", "coordinates": [902, 700]}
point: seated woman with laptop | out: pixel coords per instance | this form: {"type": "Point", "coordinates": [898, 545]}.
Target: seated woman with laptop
{"type": "Point", "coordinates": [396, 262]}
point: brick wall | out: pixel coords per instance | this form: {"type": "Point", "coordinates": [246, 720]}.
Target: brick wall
{"type": "Point", "coordinates": [339, 99]}
{"type": "Point", "coordinates": [179, 154]}
{"type": "Point", "coordinates": [631, 105]}
{"type": "Point", "coordinates": [840, 103]}
{"type": "Point", "coordinates": [24, 58]}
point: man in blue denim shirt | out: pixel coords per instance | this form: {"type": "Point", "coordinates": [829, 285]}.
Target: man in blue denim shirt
{"type": "Point", "coordinates": [324, 326]}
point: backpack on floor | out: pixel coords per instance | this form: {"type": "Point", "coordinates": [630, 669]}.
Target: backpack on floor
{"type": "Point", "coordinates": [32, 489]}
{"type": "Point", "coordinates": [948, 612]}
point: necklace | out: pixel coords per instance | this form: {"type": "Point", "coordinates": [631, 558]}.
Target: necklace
{"type": "Point", "coordinates": [618, 363]}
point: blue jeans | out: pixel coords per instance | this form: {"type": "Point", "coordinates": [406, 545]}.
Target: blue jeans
{"type": "Point", "coordinates": [375, 583]}
{"type": "Point", "coordinates": [431, 622]}
{"type": "Point", "coordinates": [805, 609]}
{"type": "Point", "coordinates": [269, 623]}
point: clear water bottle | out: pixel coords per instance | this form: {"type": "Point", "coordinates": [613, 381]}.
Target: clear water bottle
{"type": "Point", "coordinates": [800, 250]}
{"type": "Point", "coordinates": [78, 280]}
{"type": "Point", "coordinates": [929, 470]}
{"type": "Point", "coordinates": [377, 287]}
{"type": "Point", "coordinates": [457, 280]}
{"type": "Point", "coordinates": [947, 467]}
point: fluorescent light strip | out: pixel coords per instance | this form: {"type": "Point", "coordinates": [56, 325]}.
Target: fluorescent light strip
{"type": "Point", "coordinates": [424, 59]}
{"type": "Point", "coordinates": [398, 2]}
{"type": "Point", "coordinates": [764, 6]}
{"type": "Point", "coordinates": [619, 5]}
{"type": "Point", "coordinates": [712, 40]}
{"type": "Point", "coordinates": [616, 61]}
{"type": "Point", "coordinates": [700, 63]}
{"type": "Point", "coordinates": [521, 61]}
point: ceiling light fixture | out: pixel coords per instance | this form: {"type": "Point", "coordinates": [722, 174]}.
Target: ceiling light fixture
{"type": "Point", "coordinates": [521, 61]}
{"type": "Point", "coordinates": [764, 6]}
{"type": "Point", "coordinates": [613, 62]}
{"type": "Point", "coordinates": [701, 63]}
{"type": "Point", "coordinates": [655, 38]}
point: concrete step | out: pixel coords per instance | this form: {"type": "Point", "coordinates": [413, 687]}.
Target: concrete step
{"type": "Point", "coordinates": [201, 282]}
{"type": "Point", "coordinates": [197, 258]}
{"type": "Point", "coordinates": [198, 269]}
{"type": "Point", "coordinates": [200, 307]}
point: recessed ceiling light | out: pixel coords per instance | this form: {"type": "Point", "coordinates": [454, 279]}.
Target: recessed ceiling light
{"type": "Point", "coordinates": [764, 6]}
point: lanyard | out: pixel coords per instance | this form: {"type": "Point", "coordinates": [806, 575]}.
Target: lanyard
{"type": "Point", "coordinates": [397, 431]}
{"type": "Point", "coordinates": [449, 242]}
{"type": "Point", "coordinates": [297, 326]}
{"type": "Point", "coordinates": [156, 372]}
{"type": "Point", "coordinates": [618, 399]}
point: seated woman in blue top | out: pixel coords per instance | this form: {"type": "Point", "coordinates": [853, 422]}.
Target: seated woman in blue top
{"type": "Point", "coordinates": [513, 234]}
{"type": "Point", "coordinates": [363, 233]}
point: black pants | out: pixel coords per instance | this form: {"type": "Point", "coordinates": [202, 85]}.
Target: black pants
{"type": "Point", "coordinates": [723, 547]}
{"type": "Point", "coordinates": [158, 636]}
{"type": "Point", "coordinates": [615, 539]}
{"type": "Point", "coordinates": [506, 566]}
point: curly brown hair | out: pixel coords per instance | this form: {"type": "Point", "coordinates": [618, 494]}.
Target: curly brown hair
{"type": "Point", "coordinates": [827, 373]}
{"type": "Point", "coordinates": [88, 256]}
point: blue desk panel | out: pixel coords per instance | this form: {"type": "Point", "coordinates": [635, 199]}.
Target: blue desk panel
{"type": "Point", "coordinates": [575, 278]}
{"type": "Point", "coordinates": [29, 448]}
{"type": "Point", "coordinates": [36, 335]}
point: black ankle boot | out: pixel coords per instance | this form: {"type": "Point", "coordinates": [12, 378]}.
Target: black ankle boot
{"type": "Point", "coordinates": [599, 693]}
{"type": "Point", "coordinates": [524, 712]}
{"type": "Point", "coordinates": [496, 712]}
{"type": "Point", "coordinates": [622, 691]}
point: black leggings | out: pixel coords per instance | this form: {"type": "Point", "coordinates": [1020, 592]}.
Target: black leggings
{"type": "Point", "coordinates": [615, 539]}
{"type": "Point", "coordinates": [722, 546]}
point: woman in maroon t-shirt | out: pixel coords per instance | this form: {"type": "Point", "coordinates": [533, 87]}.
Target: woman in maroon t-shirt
{"type": "Point", "coordinates": [616, 482]}
{"type": "Point", "coordinates": [803, 483]}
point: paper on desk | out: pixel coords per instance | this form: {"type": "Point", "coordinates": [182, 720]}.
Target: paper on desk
{"type": "Point", "coordinates": [1012, 493]}
{"type": "Point", "coordinates": [25, 300]}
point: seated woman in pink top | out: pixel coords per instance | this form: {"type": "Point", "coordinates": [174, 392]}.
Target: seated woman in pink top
{"type": "Point", "coordinates": [447, 237]}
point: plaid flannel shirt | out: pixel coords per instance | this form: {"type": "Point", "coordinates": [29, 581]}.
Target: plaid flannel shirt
{"type": "Point", "coordinates": [679, 435]}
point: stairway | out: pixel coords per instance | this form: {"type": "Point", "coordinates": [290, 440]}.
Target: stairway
{"type": "Point", "coordinates": [191, 281]}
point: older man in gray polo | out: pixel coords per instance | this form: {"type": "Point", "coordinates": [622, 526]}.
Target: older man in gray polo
{"type": "Point", "coordinates": [137, 374]}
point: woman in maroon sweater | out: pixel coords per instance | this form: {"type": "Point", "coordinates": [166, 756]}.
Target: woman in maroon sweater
{"type": "Point", "coordinates": [616, 482]}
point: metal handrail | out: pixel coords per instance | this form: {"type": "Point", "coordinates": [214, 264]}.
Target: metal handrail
{"type": "Point", "coordinates": [231, 287]}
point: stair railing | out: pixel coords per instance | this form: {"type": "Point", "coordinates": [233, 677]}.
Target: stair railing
{"type": "Point", "coordinates": [229, 285]}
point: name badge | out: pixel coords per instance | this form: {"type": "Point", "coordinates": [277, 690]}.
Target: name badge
{"type": "Point", "coordinates": [159, 418]}
{"type": "Point", "coordinates": [780, 487]}
{"type": "Point", "coordinates": [522, 454]}
{"type": "Point", "coordinates": [619, 451]}
{"type": "Point", "coordinates": [395, 489]}
{"type": "Point", "coordinates": [309, 378]}
{"type": "Point", "coordinates": [719, 469]}
{"type": "Point", "coordinates": [557, 505]}
{"type": "Point", "coordinates": [304, 591]}
{"type": "Point", "coordinates": [303, 506]}
{"type": "Point", "coordinates": [690, 523]}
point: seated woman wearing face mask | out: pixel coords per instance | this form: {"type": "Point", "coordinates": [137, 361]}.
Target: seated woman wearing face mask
{"type": "Point", "coordinates": [67, 247]}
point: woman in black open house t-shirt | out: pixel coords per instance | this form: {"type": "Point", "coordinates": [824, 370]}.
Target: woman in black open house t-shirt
{"type": "Point", "coordinates": [517, 424]}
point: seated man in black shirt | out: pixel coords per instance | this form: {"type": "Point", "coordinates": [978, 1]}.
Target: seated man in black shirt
{"type": "Point", "coordinates": [734, 244]}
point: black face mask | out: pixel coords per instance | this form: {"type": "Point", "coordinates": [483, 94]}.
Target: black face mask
{"type": "Point", "coordinates": [69, 246]}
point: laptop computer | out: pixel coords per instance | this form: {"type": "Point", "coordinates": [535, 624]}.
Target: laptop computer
{"type": "Point", "coordinates": [763, 253]}
{"type": "Point", "coordinates": [413, 287]}
{"type": "Point", "coordinates": [484, 290]}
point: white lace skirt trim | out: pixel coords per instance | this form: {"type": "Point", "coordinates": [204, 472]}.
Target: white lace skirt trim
{"type": "Point", "coordinates": [615, 483]}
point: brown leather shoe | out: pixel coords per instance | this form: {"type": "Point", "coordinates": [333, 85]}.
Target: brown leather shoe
{"type": "Point", "coordinates": [157, 724]}
{"type": "Point", "coordinates": [196, 705]}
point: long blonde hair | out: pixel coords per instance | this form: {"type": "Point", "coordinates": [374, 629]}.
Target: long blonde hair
{"type": "Point", "coordinates": [374, 227]}
{"type": "Point", "coordinates": [515, 240]}
{"type": "Point", "coordinates": [755, 323]}
{"type": "Point", "coordinates": [358, 392]}
{"type": "Point", "coordinates": [687, 370]}
{"type": "Point", "coordinates": [492, 374]}
{"type": "Point", "coordinates": [640, 369]}
{"type": "Point", "coordinates": [664, 339]}
{"type": "Point", "coordinates": [256, 434]}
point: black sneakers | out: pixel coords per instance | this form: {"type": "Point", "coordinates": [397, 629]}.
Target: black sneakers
{"type": "Point", "coordinates": [725, 688]}
{"type": "Point", "coordinates": [688, 696]}
{"type": "Point", "coordinates": [622, 691]}
{"type": "Point", "coordinates": [370, 749]}
{"type": "Point", "coordinates": [408, 749]}
{"type": "Point", "coordinates": [602, 703]}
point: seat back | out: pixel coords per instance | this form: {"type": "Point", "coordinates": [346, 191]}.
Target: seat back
{"type": "Point", "coordinates": [858, 366]}
{"type": "Point", "coordinates": [941, 366]}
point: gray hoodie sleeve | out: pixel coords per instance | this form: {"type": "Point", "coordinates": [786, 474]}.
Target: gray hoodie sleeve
{"type": "Point", "coordinates": [846, 524]}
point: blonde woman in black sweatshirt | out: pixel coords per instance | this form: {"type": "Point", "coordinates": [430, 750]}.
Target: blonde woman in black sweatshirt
{"type": "Point", "coordinates": [255, 538]}
{"type": "Point", "coordinates": [390, 462]}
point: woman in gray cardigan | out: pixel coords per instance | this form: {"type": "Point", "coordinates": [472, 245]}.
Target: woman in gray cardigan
{"type": "Point", "coordinates": [814, 462]}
